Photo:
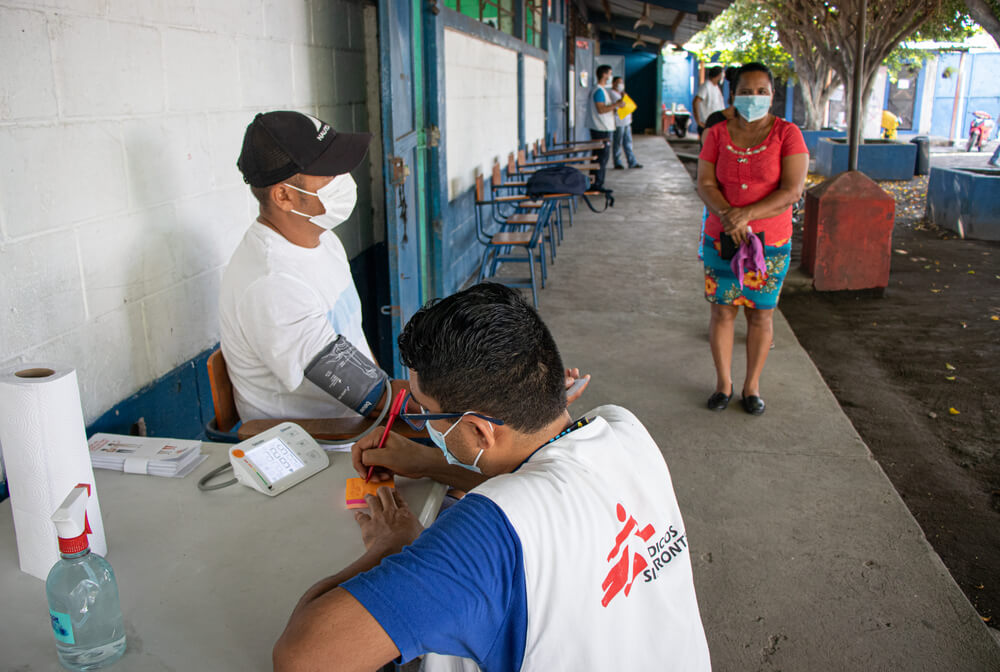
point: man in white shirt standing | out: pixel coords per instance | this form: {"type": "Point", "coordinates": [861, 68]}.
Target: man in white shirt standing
{"type": "Point", "coordinates": [709, 97]}
{"type": "Point", "coordinates": [288, 305]}
{"type": "Point", "coordinates": [601, 120]}
{"type": "Point", "coordinates": [623, 129]}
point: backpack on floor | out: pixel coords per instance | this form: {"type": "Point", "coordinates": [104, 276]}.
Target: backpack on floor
{"type": "Point", "coordinates": [564, 180]}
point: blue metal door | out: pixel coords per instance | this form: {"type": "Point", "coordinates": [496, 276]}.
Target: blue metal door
{"type": "Point", "coordinates": [401, 81]}
{"type": "Point", "coordinates": [555, 78]}
{"type": "Point", "coordinates": [584, 82]}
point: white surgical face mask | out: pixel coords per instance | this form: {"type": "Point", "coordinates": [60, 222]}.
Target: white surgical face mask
{"type": "Point", "coordinates": [619, 88]}
{"type": "Point", "coordinates": [438, 439]}
{"type": "Point", "coordinates": [338, 196]}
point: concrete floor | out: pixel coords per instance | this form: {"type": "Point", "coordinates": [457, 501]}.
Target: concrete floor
{"type": "Point", "coordinates": [805, 558]}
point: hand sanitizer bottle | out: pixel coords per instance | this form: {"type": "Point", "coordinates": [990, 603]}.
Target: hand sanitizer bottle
{"type": "Point", "coordinates": [83, 593]}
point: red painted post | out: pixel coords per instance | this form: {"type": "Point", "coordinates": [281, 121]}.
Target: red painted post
{"type": "Point", "coordinates": [847, 241]}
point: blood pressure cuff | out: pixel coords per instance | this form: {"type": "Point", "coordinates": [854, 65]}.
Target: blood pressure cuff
{"type": "Point", "coordinates": [348, 376]}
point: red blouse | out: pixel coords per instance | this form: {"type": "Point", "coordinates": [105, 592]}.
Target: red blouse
{"type": "Point", "coordinates": [746, 176]}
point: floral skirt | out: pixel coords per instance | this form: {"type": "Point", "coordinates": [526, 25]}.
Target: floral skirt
{"type": "Point", "coordinates": [760, 290]}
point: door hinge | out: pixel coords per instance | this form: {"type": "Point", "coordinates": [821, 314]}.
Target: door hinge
{"type": "Point", "coordinates": [389, 310]}
{"type": "Point", "coordinates": [433, 136]}
{"type": "Point", "coordinates": [399, 170]}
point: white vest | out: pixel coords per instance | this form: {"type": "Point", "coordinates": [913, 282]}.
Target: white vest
{"type": "Point", "coordinates": [601, 121]}
{"type": "Point", "coordinates": [606, 558]}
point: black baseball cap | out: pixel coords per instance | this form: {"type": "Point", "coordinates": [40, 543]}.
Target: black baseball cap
{"type": "Point", "coordinates": [280, 144]}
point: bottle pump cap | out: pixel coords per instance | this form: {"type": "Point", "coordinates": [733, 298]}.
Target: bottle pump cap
{"type": "Point", "coordinates": [71, 521]}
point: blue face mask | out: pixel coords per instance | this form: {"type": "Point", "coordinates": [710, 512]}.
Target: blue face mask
{"type": "Point", "coordinates": [752, 108]}
{"type": "Point", "coordinates": [438, 439]}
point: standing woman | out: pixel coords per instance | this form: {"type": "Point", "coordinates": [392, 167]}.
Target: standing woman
{"type": "Point", "coordinates": [751, 171]}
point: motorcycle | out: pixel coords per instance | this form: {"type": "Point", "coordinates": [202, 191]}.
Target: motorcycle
{"type": "Point", "coordinates": [979, 130]}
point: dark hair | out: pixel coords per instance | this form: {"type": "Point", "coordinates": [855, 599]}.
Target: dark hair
{"type": "Point", "coordinates": [616, 79]}
{"type": "Point", "coordinates": [714, 71]}
{"type": "Point", "coordinates": [754, 67]}
{"type": "Point", "coordinates": [485, 349]}
{"type": "Point", "coordinates": [601, 69]}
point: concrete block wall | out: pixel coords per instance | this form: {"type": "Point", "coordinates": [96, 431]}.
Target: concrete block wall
{"type": "Point", "coordinates": [481, 114]}
{"type": "Point", "coordinates": [534, 99]}
{"type": "Point", "coordinates": [120, 201]}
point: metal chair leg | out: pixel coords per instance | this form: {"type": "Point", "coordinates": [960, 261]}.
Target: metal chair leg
{"type": "Point", "coordinates": [531, 266]}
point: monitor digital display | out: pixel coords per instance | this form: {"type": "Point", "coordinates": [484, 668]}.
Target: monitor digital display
{"type": "Point", "coordinates": [275, 460]}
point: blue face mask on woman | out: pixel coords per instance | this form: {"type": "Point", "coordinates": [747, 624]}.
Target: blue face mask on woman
{"type": "Point", "coordinates": [439, 441]}
{"type": "Point", "coordinates": [752, 108]}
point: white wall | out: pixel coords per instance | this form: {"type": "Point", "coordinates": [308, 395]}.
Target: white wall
{"type": "Point", "coordinates": [120, 201]}
{"type": "Point", "coordinates": [534, 99]}
{"type": "Point", "coordinates": [481, 115]}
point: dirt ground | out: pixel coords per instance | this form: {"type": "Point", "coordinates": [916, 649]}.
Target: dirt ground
{"type": "Point", "coordinates": [917, 371]}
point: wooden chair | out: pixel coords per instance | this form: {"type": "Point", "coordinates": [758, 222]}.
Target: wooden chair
{"type": "Point", "coordinates": [221, 427]}
{"type": "Point", "coordinates": [500, 245]}
{"type": "Point", "coordinates": [226, 417]}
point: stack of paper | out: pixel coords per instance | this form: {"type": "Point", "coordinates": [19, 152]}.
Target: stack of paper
{"type": "Point", "coordinates": [145, 455]}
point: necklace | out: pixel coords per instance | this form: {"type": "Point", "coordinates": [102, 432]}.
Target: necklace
{"type": "Point", "coordinates": [582, 422]}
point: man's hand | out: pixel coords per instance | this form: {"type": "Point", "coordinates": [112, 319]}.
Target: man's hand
{"type": "Point", "coordinates": [575, 385]}
{"type": "Point", "coordinates": [398, 456]}
{"type": "Point", "coordinates": [389, 525]}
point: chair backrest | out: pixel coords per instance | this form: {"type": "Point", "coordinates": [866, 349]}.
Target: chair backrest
{"type": "Point", "coordinates": [520, 157]}
{"type": "Point", "coordinates": [497, 177]}
{"type": "Point", "coordinates": [511, 166]}
{"type": "Point", "coordinates": [226, 415]}
{"type": "Point", "coordinates": [479, 188]}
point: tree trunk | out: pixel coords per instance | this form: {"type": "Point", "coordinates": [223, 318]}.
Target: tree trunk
{"type": "Point", "coordinates": [985, 16]}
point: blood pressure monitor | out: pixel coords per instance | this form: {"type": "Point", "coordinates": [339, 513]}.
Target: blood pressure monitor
{"type": "Point", "coordinates": [275, 460]}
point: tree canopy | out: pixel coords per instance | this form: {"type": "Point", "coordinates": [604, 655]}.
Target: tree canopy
{"type": "Point", "coordinates": [811, 42]}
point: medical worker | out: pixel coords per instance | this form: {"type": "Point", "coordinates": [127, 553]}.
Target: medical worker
{"type": "Point", "coordinates": [573, 555]}
{"type": "Point", "coordinates": [601, 120]}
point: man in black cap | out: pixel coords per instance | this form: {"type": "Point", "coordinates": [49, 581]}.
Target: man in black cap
{"type": "Point", "coordinates": [288, 305]}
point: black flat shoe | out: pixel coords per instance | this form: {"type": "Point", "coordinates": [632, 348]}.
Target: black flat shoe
{"type": "Point", "coordinates": [719, 401]}
{"type": "Point", "coordinates": [753, 405]}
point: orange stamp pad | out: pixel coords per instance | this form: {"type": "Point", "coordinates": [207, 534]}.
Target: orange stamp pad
{"type": "Point", "coordinates": [356, 489]}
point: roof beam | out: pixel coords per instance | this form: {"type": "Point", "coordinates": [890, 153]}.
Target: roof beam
{"type": "Point", "coordinates": [688, 6]}
{"type": "Point", "coordinates": [660, 32]}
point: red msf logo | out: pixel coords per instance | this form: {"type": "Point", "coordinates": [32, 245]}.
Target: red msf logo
{"type": "Point", "coordinates": [626, 568]}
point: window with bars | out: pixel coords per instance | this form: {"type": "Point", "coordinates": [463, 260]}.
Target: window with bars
{"type": "Point", "coordinates": [533, 22]}
{"type": "Point", "coordinates": [497, 13]}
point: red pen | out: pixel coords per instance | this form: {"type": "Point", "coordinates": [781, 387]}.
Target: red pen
{"type": "Point", "coordinates": [394, 411]}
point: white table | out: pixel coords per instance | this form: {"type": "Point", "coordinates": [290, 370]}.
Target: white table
{"type": "Point", "coordinates": [207, 579]}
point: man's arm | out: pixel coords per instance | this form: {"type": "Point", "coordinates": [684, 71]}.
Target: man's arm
{"type": "Point", "coordinates": [603, 107]}
{"type": "Point", "coordinates": [329, 629]}
{"type": "Point", "coordinates": [696, 104]}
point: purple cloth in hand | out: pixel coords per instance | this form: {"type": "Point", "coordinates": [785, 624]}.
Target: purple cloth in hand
{"type": "Point", "coordinates": [749, 257]}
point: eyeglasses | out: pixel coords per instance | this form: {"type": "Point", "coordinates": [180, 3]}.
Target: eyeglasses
{"type": "Point", "coordinates": [419, 420]}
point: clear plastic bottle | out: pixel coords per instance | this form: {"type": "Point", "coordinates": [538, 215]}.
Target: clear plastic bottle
{"type": "Point", "coordinates": [83, 594]}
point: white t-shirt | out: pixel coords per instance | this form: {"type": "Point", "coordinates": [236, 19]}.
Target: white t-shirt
{"type": "Point", "coordinates": [601, 121]}
{"type": "Point", "coordinates": [577, 560]}
{"type": "Point", "coordinates": [711, 100]}
{"type": "Point", "coordinates": [279, 306]}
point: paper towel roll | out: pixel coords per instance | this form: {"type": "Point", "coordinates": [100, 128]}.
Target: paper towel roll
{"type": "Point", "coordinates": [46, 455]}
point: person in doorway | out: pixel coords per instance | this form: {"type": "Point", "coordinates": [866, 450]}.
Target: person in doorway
{"type": "Point", "coordinates": [709, 98]}
{"type": "Point", "coordinates": [623, 129]}
{"type": "Point", "coordinates": [601, 120]}
{"type": "Point", "coordinates": [751, 170]}
{"type": "Point", "coordinates": [573, 555]}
